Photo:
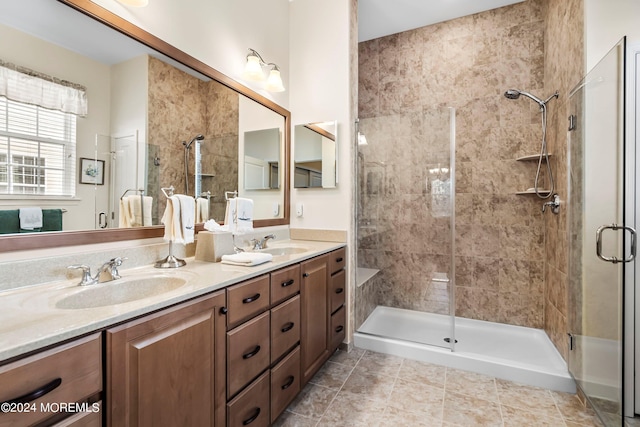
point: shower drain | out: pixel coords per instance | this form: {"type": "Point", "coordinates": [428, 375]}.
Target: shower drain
{"type": "Point", "coordinates": [447, 339]}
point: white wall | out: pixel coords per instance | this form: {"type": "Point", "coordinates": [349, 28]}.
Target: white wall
{"type": "Point", "coordinates": [219, 32]}
{"type": "Point", "coordinates": [319, 92]}
{"type": "Point", "coordinates": [606, 22]}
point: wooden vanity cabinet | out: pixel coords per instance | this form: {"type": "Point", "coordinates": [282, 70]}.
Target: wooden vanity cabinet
{"type": "Point", "coordinates": [68, 373]}
{"type": "Point", "coordinates": [168, 368]}
{"type": "Point", "coordinates": [322, 292]}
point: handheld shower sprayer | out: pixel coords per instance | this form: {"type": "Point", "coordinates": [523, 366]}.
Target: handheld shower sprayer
{"type": "Point", "coordinates": [544, 153]}
{"type": "Point", "coordinates": [198, 137]}
{"type": "Point", "coordinates": [515, 94]}
{"type": "Point", "coordinates": [187, 147]}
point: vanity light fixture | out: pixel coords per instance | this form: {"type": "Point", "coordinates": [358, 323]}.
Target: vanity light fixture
{"type": "Point", "coordinates": [253, 71]}
{"type": "Point", "coordinates": [134, 3]}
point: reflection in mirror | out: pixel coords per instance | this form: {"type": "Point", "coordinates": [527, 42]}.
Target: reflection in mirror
{"type": "Point", "coordinates": [142, 107]}
{"type": "Point", "coordinates": [261, 159]}
{"type": "Point", "coordinates": [315, 157]}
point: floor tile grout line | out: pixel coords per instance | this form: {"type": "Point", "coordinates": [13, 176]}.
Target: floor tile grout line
{"type": "Point", "coordinates": [340, 389]}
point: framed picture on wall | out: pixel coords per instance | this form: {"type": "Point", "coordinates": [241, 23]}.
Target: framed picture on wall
{"type": "Point", "coordinates": [91, 171]}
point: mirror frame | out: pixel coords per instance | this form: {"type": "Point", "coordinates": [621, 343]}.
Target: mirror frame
{"type": "Point", "coordinates": [19, 242]}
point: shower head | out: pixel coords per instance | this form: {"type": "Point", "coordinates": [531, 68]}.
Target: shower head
{"type": "Point", "coordinates": [515, 94]}
{"type": "Point", "coordinates": [198, 137]}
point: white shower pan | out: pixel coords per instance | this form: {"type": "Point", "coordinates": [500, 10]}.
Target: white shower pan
{"type": "Point", "coordinates": [515, 353]}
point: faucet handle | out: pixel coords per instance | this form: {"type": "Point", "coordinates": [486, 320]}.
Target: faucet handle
{"type": "Point", "coordinates": [115, 263]}
{"type": "Point", "coordinates": [86, 274]}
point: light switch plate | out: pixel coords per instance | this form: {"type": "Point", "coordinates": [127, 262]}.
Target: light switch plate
{"type": "Point", "coordinates": [299, 209]}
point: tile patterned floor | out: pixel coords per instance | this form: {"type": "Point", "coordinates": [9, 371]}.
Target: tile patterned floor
{"type": "Point", "coordinates": [363, 388]}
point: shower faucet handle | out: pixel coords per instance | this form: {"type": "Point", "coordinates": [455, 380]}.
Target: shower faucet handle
{"type": "Point", "coordinates": [554, 204]}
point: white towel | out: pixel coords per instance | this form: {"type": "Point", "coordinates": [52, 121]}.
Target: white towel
{"type": "Point", "coordinates": [187, 217]}
{"type": "Point", "coordinates": [239, 215]}
{"type": "Point", "coordinates": [202, 209]}
{"type": "Point", "coordinates": [247, 259]}
{"type": "Point", "coordinates": [30, 218]}
{"type": "Point", "coordinates": [147, 202]}
{"type": "Point", "coordinates": [124, 215]}
{"type": "Point", "coordinates": [171, 221]}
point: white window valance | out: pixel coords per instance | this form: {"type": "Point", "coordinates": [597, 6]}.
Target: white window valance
{"type": "Point", "coordinates": [31, 87]}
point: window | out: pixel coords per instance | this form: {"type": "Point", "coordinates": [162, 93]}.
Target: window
{"type": "Point", "coordinates": [37, 150]}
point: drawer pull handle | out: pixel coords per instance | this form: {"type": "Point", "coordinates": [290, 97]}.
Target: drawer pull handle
{"type": "Point", "coordinates": [288, 283]}
{"type": "Point", "coordinates": [287, 327]}
{"type": "Point", "coordinates": [339, 290]}
{"type": "Point", "coordinates": [251, 299]}
{"type": "Point", "coordinates": [339, 328]}
{"type": "Point", "coordinates": [290, 380]}
{"type": "Point", "coordinates": [252, 353]}
{"type": "Point", "coordinates": [339, 259]}
{"type": "Point", "coordinates": [305, 275]}
{"type": "Point", "coordinates": [252, 419]}
{"type": "Point", "coordinates": [30, 397]}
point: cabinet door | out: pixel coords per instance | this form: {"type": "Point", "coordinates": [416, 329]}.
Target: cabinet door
{"type": "Point", "coordinates": [168, 368]}
{"type": "Point", "coordinates": [314, 316]}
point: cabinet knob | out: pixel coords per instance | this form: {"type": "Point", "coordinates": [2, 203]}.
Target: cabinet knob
{"type": "Point", "coordinates": [251, 419]}
{"type": "Point", "coordinates": [223, 310]}
{"type": "Point", "coordinates": [305, 275]}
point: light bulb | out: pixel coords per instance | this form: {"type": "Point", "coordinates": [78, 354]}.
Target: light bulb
{"type": "Point", "coordinates": [253, 69]}
{"type": "Point", "coordinates": [274, 82]}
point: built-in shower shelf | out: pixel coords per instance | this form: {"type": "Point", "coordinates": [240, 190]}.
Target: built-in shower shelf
{"type": "Point", "coordinates": [207, 175]}
{"type": "Point", "coordinates": [530, 157]}
{"type": "Point", "coordinates": [532, 191]}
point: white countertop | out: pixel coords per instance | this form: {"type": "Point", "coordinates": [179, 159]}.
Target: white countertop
{"type": "Point", "coordinates": [30, 320]}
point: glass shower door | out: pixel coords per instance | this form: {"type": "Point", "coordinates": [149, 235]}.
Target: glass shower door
{"type": "Point", "coordinates": [597, 235]}
{"type": "Point", "coordinates": [406, 226]}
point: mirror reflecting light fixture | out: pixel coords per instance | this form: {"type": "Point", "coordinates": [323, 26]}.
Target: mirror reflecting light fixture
{"type": "Point", "coordinates": [253, 71]}
{"type": "Point", "coordinates": [134, 3]}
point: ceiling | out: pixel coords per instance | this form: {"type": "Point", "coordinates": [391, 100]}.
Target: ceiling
{"type": "Point", "coordinates": [379, 18]}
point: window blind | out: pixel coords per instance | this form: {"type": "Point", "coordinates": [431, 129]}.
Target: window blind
{"type": "Point", "coordinates": [37, 150]}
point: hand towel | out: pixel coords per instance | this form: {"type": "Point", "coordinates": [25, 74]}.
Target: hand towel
{"type": "Point", "coordinates": [247, 259]}
{"type": "Point", "coordinates": [239, 215]}
{"type": "Point", "coordinates": [147, 204]}
{"type": "Point", "coordinates": [202, 209]}
{"type": "Point", "coordinates": [187, 217]}
{"type": "Point", "coordinates": [30, 218]}
{"type": "Point", "coordinates": [171, 221]}
{"type": "Point", "coordinates": [124, 216]}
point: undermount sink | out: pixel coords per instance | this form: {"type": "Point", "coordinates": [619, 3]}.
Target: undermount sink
{"type": "Point", "coordinates": [284, 250]}
{"type": "Point", "coordinates": [120, 291]}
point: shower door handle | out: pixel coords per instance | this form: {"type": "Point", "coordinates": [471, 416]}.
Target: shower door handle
{"type": "Point", "coordinates": [102, 216]}
{"type": "Point", "coordinates": [616, 227]}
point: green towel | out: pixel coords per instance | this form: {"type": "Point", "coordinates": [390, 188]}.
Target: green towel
{"type": "Point", "coordinates": [51, 220]}
{"type": "Point", "coordinates": [9, 221]}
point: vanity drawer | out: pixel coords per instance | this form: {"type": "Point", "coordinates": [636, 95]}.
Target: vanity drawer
{"type": "Point", "coordinates": [338, 328]}
{"type": "Point", "coordinates": [284, 283]}
{"type": "Point", "coordinates": [337, 260]}
{"type": "Point", "coordinates": [83, 419]}
{"type": "Point", "coordinates": [285, 327]}
{"type": "Point", "coordinates": [285, 383]}
{"type": "Point", "coordinates": [72, 372]}
{"type": "Point", "coordinates": [337, 290]}
{"type": "Point", "coordinates": [251, 407]}
{"type": "Point", "coordinates": [248, 352]}
{"type": "Point", "coordinates": [247, 299]}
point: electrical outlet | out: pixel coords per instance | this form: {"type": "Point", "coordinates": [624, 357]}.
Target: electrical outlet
{"type": "Point", "coordinates": [299, 209]}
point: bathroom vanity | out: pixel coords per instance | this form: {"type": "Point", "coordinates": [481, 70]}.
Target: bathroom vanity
{"type": "Point", "coordinates": [231, 346]}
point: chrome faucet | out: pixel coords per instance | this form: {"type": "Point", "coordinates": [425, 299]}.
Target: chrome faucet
{"type": "Point", "coordinates": [262, 243]}
{"type": "Point", "coordinates": [106, 273]}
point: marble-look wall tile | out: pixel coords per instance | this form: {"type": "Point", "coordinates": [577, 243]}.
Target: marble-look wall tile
{"type": "Point", "coordinates": [405, 80]}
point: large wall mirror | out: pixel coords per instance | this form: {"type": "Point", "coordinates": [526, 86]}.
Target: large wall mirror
{"type": "Point", "coordinates": [156, 118]}
{"type": "Point", "coordinates": [316, 155]}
